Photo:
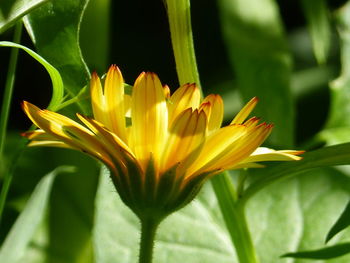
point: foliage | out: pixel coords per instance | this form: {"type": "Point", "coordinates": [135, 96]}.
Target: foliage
{"type": "Point", "coordinates": [290, 206]}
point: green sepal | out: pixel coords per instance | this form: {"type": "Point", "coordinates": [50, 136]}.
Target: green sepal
{"type": "Point", "coordinates": [167, 186]}
{"type": "Point", "coordinates": [186, 193]}
{"type": "Point", "coordinates": [122, 186]}
{"type": "Point", "coordinates": [150, 186]}
{"type": "Point", "coordinates": [129, 185]}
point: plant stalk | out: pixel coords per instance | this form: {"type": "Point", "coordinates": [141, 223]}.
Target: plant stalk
{"type": "Point", "coordinates": [10, 80]}
{"type": "Point", "coordinates": [148, 234]}
{"type": "Point", "coordinates": [179, 16]}
{"type": "Point", "coordinates": [233, 212]}
{"type": "Point", "coordinates": [5, 111]}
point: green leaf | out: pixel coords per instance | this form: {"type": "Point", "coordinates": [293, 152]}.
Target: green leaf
{"type": "Point", "coordinates": [57, 84]}
{"type": "Point", "coordinates": [12, 10]}
{"type": "Point", "coordinates": [328, 156]}
{"type": "Point", "coordinates": [96, 55]}
{"type": "Point", "coordinates": [338, 125]}
{"type": "Point", "coordinates": [316, 13]}
{"type": "Point", "coordinates": [294, 215]}
{"type": "Point", "coordinates": [323, 253]}
{"type": "Point", "coordinates": [54, 29]}
{"type": "Point", "coordinates": [342, 223]}
{"type": "Point", "coordinates": [193, 234]}
{"type": "Point", "coordinates": [259, 54]}
{"type": "Point", "coordinates": [290, 215]}
{"type": "Point", "coordinates": [20, 235]}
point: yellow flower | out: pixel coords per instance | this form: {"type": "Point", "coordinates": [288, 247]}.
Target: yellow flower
{"type": "Point", "coordinates": [159, 148]}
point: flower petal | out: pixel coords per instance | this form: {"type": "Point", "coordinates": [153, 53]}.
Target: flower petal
{"type": "Point", "coordinates": [245, 111]}
{"type": "Point", "coordinates": [216, 145]}
{"type": "Point", "coordinates": [243, 147]}
{"type": "Point", "coordinates": [236, 151]}
{"type": "Point", "coordinates": [108, 105]}
{"type": "Point", "coordinates": [97, 98]}
{"type": "Point", "coordinates": [186, 136]}
{"type": "Point", "coordinates": [42, 138]}
{"type": "Point", "coordinates": [149, 117]}
{"type": "Point", "coordinates": [265, 154]}
{"type": "Point", "coordinates": [67, 131]}
{"type": "Point", "coordinates": [116, 148]}
{"type": "Point", "coordinates": [213, 106]}
{"type": "Point", "coordinates": [187, 96]}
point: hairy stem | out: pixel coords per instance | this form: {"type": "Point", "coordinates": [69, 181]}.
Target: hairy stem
{"type": "Point", "coordinates": [148, 234]}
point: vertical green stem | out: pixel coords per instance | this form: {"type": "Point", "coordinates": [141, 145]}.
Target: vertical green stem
{"type": "Point", "coordinates": [179, 16]}
{"type": "Point", "coordinates": [234, 215]}
{"type": "Point", "coordinates": [10, 80]}
{"type": "Point", "coordinates": [233, 211]}
{"type": "Point", "coordinates": [148, 234]}
{"type": "Point", "coordinates": [5, 110]}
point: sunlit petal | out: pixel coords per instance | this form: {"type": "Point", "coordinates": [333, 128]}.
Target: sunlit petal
{"type": "Point", "coordinates": [245, 111]}
{"type": "Point", "coordinates": [67, 131]}
{"type": "Point", "coordinates": [185, 139]}
{"type": "Point", "coordinates": [213, 106]}
{"type": "Point", "coordinates": [265, 154]}
{"type": "Point", "coordinates": [149, 118]}
{"type": "Point", "coordinates": [187, 96]}
{"type": "Point", "coordinates": [217, 145]}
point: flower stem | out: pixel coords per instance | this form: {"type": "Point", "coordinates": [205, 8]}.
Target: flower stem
{"type": "Point", "coordinates": [179, 16]}
{"type": "Point", "coordinates": [5, 110]}
{"type": "Point", "coordinates": [148, 234]}
{"type": "Point", "coordinates": [233, 212]}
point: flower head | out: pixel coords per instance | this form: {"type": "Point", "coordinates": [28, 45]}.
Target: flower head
{"type": "Point", "coordinates": [160, 148]}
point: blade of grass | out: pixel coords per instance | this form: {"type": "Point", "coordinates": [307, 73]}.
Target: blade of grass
{"type": "Point", "coordinates": [30, 218]}
{"type": "Point", "coordinates": [342, 223]}
{"type": "Point", "coordinates": [57, 84]}
{"type": "Point", "coordinates": [5, 110]}
{"type": "Point", "coordinates": [323, 253]}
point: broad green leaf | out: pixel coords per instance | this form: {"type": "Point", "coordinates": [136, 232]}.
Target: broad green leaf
{"type": "Point", "coordinates": [316, 12]}
{"type": "Point", "coordinates": [342, 223]}
{"type": "Point", "coordinates": [258, 52]}
{"type": "Point", "coordinates": [295, 215]}
{"type": "Point", "coordinates": [286, 216]}
{"type": "Point", "coordinates": [97, 54]}
{"type": "Point", "coordinates": [338, 124]}
{"type": "Point", "coordinates": [54, 29]}
{"type": "Point", "coordinates": [328, 156]}
{"type": "Point", "coordinates": [322, 253]}
{"type": "Point", "coordinates": [57, 84]}
{"type": "Point", "coordinates": [195, 234]}
{"type": "Point", "coordinates": [16, 243]}
{"type": "Point", "coordinates": [12, 10]}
